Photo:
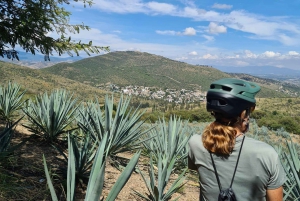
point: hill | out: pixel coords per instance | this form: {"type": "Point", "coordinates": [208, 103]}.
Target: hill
{"type": "Point", "coordinates": [35, 81]}
{"type": "Point", "coordinates": [136, 68]}
{"type": "Point", "coordinates": [37, 61]}
{"type": "Point", "coordinates": [143, 69]}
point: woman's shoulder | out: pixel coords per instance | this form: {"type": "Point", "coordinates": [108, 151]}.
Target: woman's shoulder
{"type": "Point", "coordinates": [196, 141]}
{"type": "Point", "coordinates": [257, 146]}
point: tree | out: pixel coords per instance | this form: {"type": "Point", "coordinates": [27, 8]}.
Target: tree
{"type": "Point", "coordinates": [27, 22]}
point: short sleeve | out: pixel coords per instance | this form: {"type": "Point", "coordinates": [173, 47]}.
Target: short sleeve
{"type": "Point", "coordinates": [191, 154]}
{"type": "Point", "coordinates": [277, 174]}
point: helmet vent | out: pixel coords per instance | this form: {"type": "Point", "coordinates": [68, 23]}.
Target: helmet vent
{"type": "Point", "coordinates": [222, 102]}
{"type": "Point", "coordinates": [226, 88]}
{"type": "Point", "coordinates": [240, 84]}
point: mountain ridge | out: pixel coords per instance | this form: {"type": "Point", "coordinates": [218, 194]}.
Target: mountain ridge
{"type": "Point", "coordinates": [145, 69]}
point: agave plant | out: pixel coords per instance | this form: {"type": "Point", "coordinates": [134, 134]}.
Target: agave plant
{"type": "Point", "coordinates": [168, 146]}
{"type": "Point", "coordinates": [84, 151]}
{"type": "Point", "coordinates": [5, 140]}
{"type": "Point", "coordinates": [11, 100]}
{"type": "Point", "coordinates": [291, 164]}
{"type": "Point", "coordinates": [96, 179]}
{"type": "Point", "coordinates": [51, 115]}
{"type": "Point", "coordinates": [171, 140]}
{"type": "Point", "coordinates": [123, 127]}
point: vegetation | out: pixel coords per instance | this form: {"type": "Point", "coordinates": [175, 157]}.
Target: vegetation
{"type": "Point", "coordinates": [144, 69]}
{"type": "Point", "coordinates": [27, 24]}
{"type": "Point", "coordinates": [35, 81]}
{"type": "Point", "coordinates": [96, 178]}
{"type": "Point", "coordinates": [136, 68]}
{"type": "Point", "coordinates": [98, 133]}
{"type": "Point", "coordinates": [51, 115]}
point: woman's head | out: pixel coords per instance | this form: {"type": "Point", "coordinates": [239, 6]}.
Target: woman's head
{"type": "Point", "coordinates": [230, 101]}
{"type": "Point", "coordinates": [230, 97]}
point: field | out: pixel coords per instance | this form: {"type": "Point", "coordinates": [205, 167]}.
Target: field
{"type": "Point", "coordinates": [62, 149]}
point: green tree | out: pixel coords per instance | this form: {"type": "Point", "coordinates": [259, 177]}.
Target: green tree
{"type": "Point", "coordinates": [27, 22]}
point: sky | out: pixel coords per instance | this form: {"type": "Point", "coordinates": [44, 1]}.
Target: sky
{"type": "Point", "coordinates": [217, 33]}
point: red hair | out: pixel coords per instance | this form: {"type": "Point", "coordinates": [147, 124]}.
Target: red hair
{"type": "Point", "coordinates": [219, 136]}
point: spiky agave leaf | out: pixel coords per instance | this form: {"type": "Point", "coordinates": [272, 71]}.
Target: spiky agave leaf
{"type": "Point", "coordinates": [11, 100]}
{"type": "Point", "coordinates": [123, 126]}
{"type": "Point", "coordinates": [96, 180]}
{"type": "Point", "coordinates": [291, 165]}
{"type": "Point", "coordinates": [84, 153]}
{"type": "Point", "coordinates": [51, 115]}
{"type": "Point", "coordinates": [5, 140]}
{"type": "Point", "coordinates": [49, 182]}
{"type": "Point", "coordinates": [123, 178]}
{"type": "Point", "coordinates": [167, 144]}
{"type": "Point", "coordinates": [170, 139]}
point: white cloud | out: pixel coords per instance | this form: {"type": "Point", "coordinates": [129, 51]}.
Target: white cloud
{"type": "Point", "coordinates": [221, 6]}
{"type": "Point", "coordinates": [214, 28]}
{"type": "Point", "coordinates": [271, 54]}
{"type": "Point", "coordinates": [187, 32]}
{"type": "Point", "coordinates": [293, 53]}
{"type": "Point", "coordinates": [241, 63]}
{"type": "Point", "coordinates": [167, 32]}
{"type": "Point", "coordinates": [190, 31]}
{"type": "Point", "coordinates": [287, 40]}
{"type": "Point", "coordinates": [249, 54]}
{"type": "Point", "coordinates": [208, 38]}
{"type": "Point", "coordinates": [209, 56]}
{"type": "Point", "coordinates": [193, 53]}
{"type": "Point", "coordinates": [280, 29]}
{"type": "Point", "coordinates": [161, 8]}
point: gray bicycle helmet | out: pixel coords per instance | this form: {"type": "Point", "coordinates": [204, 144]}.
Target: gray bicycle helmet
{"type": "Point", "coordinates": [230, 96]}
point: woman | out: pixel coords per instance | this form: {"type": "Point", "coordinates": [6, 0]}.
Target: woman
{"type": "Point", "coordinates": [259, 175]}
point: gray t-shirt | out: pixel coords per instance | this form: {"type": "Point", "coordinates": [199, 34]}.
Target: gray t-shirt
{"type": "Point", "coordinates": [259, 169]}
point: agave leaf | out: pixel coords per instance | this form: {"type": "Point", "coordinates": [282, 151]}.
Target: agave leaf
{"type": "Point", "coordinates": [51, 115]}
{"type": "Point", "coordinates": [168, 144]}
{"type": "Point", "coordinates": [141, 195]}
{"type": "Point", "coordinates": [11, 100]}
{"type": "Point", "coordinates": [123, 178]}
{"type": "Point", "coordinates": [5, 139]}
{"type": "Point", "coordinates": [71, 171]}
{"type": "Point", "coordinates": [123, 128]}
{"type": "Point", "coordinates": [49, 182]}
{"type": "Point", "coordinates": [179, 182]}
{"type": "Point", "coordinates": [95, 185]}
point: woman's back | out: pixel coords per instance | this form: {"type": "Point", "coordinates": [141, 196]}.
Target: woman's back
{"type": "Point", "coordinates": [259, 169]}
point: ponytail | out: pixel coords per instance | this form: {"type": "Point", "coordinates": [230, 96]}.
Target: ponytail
{"type": "Point", "coordinates": [219, 136]}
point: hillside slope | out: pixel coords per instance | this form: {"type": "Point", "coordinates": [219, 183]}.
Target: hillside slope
{"type": "Point", "coordinates": [144, 69]}
{"type": "Point", "coordinates": [35, 81]}
{"type": "Point", "coordinates": [137, 68]}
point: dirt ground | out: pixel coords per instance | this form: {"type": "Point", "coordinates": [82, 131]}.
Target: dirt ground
{"type": "Point", "coordinates": [25, 178]}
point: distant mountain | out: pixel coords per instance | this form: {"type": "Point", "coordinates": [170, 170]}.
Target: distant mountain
{"type": "Point", "coordinates": [137, 68]}
{"type": "Point", "coordinates": [263, 71]}
{"type": "Point", "coordinates": [144, 69]}
{"type": "Point", "coordinates": [38, 61]}
{"type": "Point", "coordinates": [35, 81]}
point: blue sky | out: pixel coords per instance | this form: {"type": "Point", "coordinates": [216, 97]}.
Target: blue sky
{"type": "Point", "coordinates": [218, 33]}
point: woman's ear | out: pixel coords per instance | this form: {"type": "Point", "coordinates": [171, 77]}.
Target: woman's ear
{"type": "Point", "coordinates": [243, 115]}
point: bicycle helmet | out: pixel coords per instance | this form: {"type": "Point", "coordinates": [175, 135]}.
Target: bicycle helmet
{"type": "Point", "coordinates": [229, 96]}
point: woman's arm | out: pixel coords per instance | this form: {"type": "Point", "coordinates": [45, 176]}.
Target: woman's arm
{"type": "Point", "coordinates": [275, 194]}
{"type": "Point", "coordinates": [191, 164]}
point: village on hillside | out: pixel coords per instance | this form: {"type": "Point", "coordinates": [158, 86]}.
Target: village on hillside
{"type": "Point", "coordinates": [177, 96]}
{"type": "Point", "coordinates": [168, 95]}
